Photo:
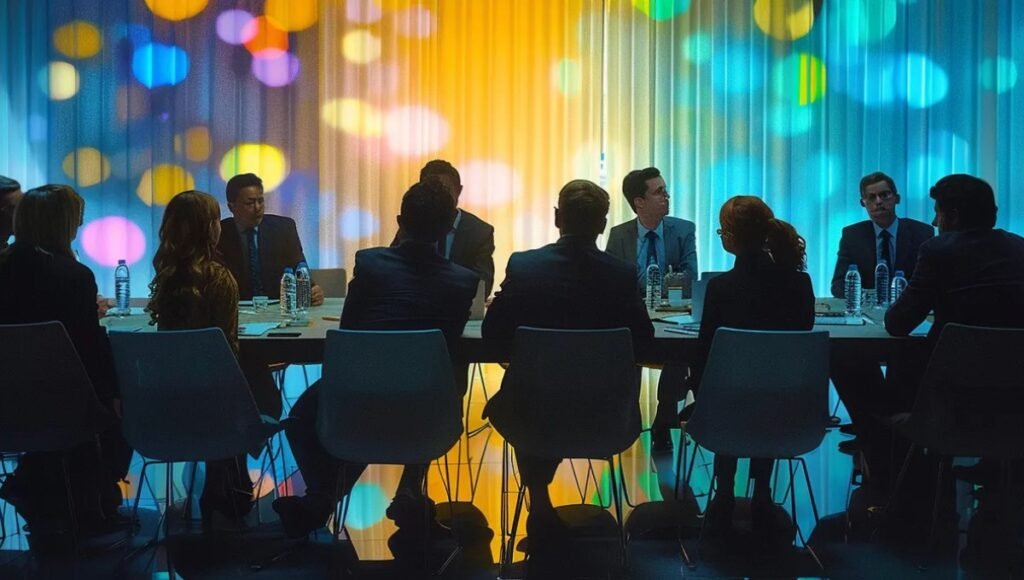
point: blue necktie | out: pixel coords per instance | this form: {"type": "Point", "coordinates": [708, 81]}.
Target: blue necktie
{"type": "Point", "coordinates": [255, 269]}
{"type": "Point", "coordinates": [652, 248]}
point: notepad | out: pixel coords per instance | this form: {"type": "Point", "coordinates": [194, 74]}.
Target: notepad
{"type": "Point", "coordinates": [249, 302]}
{"type": "Point", "coordinates": [922, 329]}
{"type": "Point", "coordinates": [256, 328]}
{"type": "Point", "coordinates": [838, 320]}
{"type": "Point", "coordinates": [677, 319]}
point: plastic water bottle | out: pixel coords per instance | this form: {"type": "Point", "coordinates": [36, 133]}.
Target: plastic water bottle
{"type": "Point", "coordinates": [853, 292]}
{"type": "Point", "coordinates": [882, 284]}
{"type": "Point", "coordinates": [653, 296]}
{"type": "Point", "coordinates": [899, 284]}
{"type": "Point", "coordinates": [288, 298]}
{"type": "Point", "coordinates": [303, 288]}
{"type": "Point", "coordinates": [122, 288]}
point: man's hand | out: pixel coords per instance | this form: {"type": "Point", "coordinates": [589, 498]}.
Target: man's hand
{"type": "Point", "coordinates": [316, 295]}
{"type": "Point", "coordinates": [102, 305]}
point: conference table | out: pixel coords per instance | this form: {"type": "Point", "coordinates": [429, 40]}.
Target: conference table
{"type": "Point", "coordinates": [305, 344]}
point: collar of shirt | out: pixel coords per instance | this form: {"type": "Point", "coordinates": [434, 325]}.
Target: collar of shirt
{"type": "Point", "coordinates": [893, 227]}
{"type": "Point", "coordinates": [449, 239]}
{"type": "Point", "coordinates": [244, 234]}
{"type": "Point", "coordinates": [641, 231]}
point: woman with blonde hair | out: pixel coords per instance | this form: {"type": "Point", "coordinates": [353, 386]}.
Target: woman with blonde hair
{"type": "Point", "coordinates": [41, 280]}
{"type": "Point", "coordinates": [767, 289]}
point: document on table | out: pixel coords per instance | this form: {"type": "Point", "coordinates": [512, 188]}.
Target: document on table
{"type": "Point", "coordinates": [922, 329]}
{"type": "Point", "coordinates": [838, 320]}
{"type": "Point", "coordinates": [256, 328]}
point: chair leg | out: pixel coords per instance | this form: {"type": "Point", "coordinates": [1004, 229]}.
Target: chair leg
{"type": "Point", "coordinates": [930, 542]}
{"type": "Point", "coordinates": [617, 501]}
{"type": "Point", "coordinates": [814, 509]}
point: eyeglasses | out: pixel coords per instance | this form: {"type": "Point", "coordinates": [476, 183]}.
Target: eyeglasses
{"type": "Point", "coordinates": [723, 233]}
{"type": "Point", "coordinates": [880, 196]}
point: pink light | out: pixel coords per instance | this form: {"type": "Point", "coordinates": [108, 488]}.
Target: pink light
{"type": "Point", "coordinates": [233, 26]}
{"type": "Point", "coordinates": [415, 131]}
{"type": "Point", "coordinates": [274, 67]}
{"type": "Point", "coordinates": [109, 239]}
{"type": "Point", "coordinates": [415, 22]}
{"type": "Point", "coordinates": [362, 11]}
{"type": "Point", "coordinates": [489, 183]}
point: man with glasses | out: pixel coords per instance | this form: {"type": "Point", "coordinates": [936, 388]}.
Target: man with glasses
{"type": "Point", "coordinates": [10, 194]}
{"type": "Point", "coordinates": [256, 246]}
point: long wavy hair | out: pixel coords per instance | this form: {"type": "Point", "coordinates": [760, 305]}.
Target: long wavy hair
{"type": "Point", "coordinates": [48, 217]}
{"type": "Point", "coordinates": [755, 230]}
{"type": "Point", "coordinates": [186, 256]}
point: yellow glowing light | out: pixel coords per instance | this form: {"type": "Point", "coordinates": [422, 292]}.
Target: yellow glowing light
{"type": "Point", "coordinates": [87, 166]}
{"type": "Point", "coordinates": [395, 4]}
{"type": "Point", "coordinates": [78, 39]}
{"type": "Point", "coordinates": [360, 47]}
{"type": "Point", "coordinates": [292, 14]}
{"type": "Point", "coordinates": [59, 80]}
{"type": "Point", "coordinates": [175, 10]}
{"type": "Point", "coordinates": [264, 160]}
{"type": "Point", "coordinates": [195, 143]}
{"type": "Point", "coordinates": [161, 183]}
{"type": "Point", "coordinates": [784, 19]}
{"type": "Point", "coordinates": [352, 116]}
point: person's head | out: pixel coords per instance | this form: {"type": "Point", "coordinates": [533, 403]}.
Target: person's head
{"type": "Point", "coordinates": [963, 202]}
{"type": "Point", "coordinates": [879, 197]}
{"type": "Point", "coordinates": [582, 209]}
{"type": "Point", "coordinates": [428, 211]}
{"type": "Point", "coordinates": [446, 173]}
{"type": "Point", "coordinates": [48, 217]}
{"type": "Point", "coordinates": [245, 199]}
{"type": "Point", "coordinates": [645, 191]}
{"type": "Point", "coordinates": [10, 194]}
{"type": "Point", "coordinates": [749, 227]}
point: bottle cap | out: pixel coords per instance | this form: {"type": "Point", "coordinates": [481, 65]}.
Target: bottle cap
{"type": "Point", "coordinates": [122, 262]}
{"type": "Point", "coordinates": [288, 270]}
{"type": "Point", "coordinates": [900, 273]}
{"type": "Point", "coordinates": [852, 267]}
{"type": "Point", "coordinates": [302, 265]}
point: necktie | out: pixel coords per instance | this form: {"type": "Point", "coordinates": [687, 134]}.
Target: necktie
{"type": "Point", "coordinates": [255, 267]}
{"type": "Point", "coordinates": [652, 247]}
{"type": "Point", "coordinates": [886, 254]}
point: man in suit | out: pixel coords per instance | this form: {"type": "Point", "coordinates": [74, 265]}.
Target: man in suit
{"type": "Point", "coordinates": [671, 242]}
{"type": "Point", "coordinates": [553, 287]}
{"type": "Point", "coordinates": [470, 240]}
{"type": "Point", "coordinates": [407, 287]}
{"type": "Point", "coordinates": [10, 194]}
{"type": "Point", "coordinates": [882, 237]}
{"type": "Point", "coordinates": [257, 247]}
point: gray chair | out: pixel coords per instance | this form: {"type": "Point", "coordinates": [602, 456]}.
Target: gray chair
{"type": "Point", "coordinates": [333, 281]}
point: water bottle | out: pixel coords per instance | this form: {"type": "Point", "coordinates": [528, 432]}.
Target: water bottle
{"type": "Point", "coordinates": [899, 284]}
{"type": "Point", "coordinates": [122, 288]}
{"type": "Point", "coordinates": [303, 288]}
{"type": "Point", "coordinates": [853, 292]}
{"type": "Point", "coordinates": [288, 302]}
{"type": "Point", "coordinates": [882, 284]}
{"type": "Point", "coordinates": [653, 296]}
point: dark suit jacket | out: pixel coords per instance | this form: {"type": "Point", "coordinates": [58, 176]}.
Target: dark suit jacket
{"type": "Point", "coordinates": [279, 248]}
{"type": "Point", "coordinates": [36, 286]}
{"type": "Point", "coordinates": [971, 277]}
{"type": "Point", "coordinates": [755, 295]}
{"type": "Point", "coordinates": [472, 247]}
{"type": "Point", "coordinates": [859, 246]}
{"type": "Point", "coordinates": [409, 287]}
{"type": "Point", "coordinates": [680, 245]}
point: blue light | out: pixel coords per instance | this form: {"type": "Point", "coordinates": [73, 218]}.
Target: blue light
{"type": "Point", "coordinates": [367, 507]}
{"type": "Point", "coordinates": [738, 68]}
{"type": "Point", "coordinates": [158, 65]}
{"type": "Point", "coordinates": [356, 223]}
{"type": "Point", "coordinates": [920, 81]}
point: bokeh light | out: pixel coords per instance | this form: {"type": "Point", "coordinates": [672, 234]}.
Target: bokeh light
{"type": "Point", "coordinates": [784, 19]}
{"type": "Point", "coordinates": [137, 34]}
{"type": "Point", "coordinates": [697, 47]}
{"type": "Point", "coordinates": [367, 504]}
{"type": "Point", "coordinates": [161, 183]}
{"type": "Point", "coordinates": [263, 34]}
{"type": "Point", "coordinates": [489, 183]}
{"type": "Point", "coordinates": [355, 223]}
{"type": "Point", "coordinates": [87, 166]}
{"type": "Point", "coordinates": [266, 161]}
{"type": "Point", "coordinates": [859, 22]}
{"type": "Point", "coordinates": [662, 9]}
{"type": "Point", "coordinates": [293, 15]}
{"type": "Point", "coordinates": [415, 130]}
{"type": "Point", "coordinates": [352, 116]}
{"type": "Point", "coordinates": [59, 80]}
{"type": "Point", "coordinates": [362, 11]}
{"type": "Point", "coordinates": [789, 120]}
{"type": "Point", "coordinates": [998, 74]}
{"type": "Point", "coordinates": [176, 10]}
{"type": "Point", "coordinates": [920, 81]}
{"type": "Point", "coordinates": [799, 78]}
{"type": "Point", "coordinates": [233, 26]}
{"type": "Point", "coordinates": [275, 68]}
{"type": "Point", "coordinates": [157, 65]}
{"type": "Point", "coordinates": [944, 153]}
{"type": "Point", "coordinates": [360, 46]}
{"type": "Point", "coordinates": [195, 143]}
{"type": "Point", "coordinates": [738, 175]}
{"type": "Point", "coordinates": [78, 39]}
{"type": "Point", "coordinates": [415, 22]}
{"type": "Point", "coordinates": [109, 239]}
{"type": "Point", "coordinates": [738, 68]}
{"type": "Point", "coordinates": [567, 76]}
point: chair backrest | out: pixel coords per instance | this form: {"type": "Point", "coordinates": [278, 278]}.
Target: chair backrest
{"type": "Point", "coordinates": [184, 397]}
{"type": "Point", "coordinates": [388, 397]}
{"type": "Point", "coordinates": [970, 401]}
{"type": "Point", "coordinates": [574, 392]}
{"type": "Point", "coordinates": [47, 402]}
{"type": "Point", "coordinates": [763, 393]}
{"type": "Point", "coordinates": [333, 281]}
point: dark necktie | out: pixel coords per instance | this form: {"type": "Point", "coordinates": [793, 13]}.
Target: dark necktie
{"type": "Point", "coordinates": [886, 254]}
{"type": "Point", "coordinates": [255, 267]}
{"type": "Point", "coordinates": [652, 247]}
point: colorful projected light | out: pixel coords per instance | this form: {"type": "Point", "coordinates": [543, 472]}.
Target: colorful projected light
{"type": "Point", "coordinates": [87, 166]}
{"type": "Point", "coordinates": [157, 65]}
{"type": "Point", "coordinates": [161, 183]}
{"type": "Point", "coordinates": [352, 116]}
{"type": "Point", "coordinates": [233, 26]}
{"type": "Point", "coordinates": [662, 9]}
{"type": "Point", "coordinates": [784, 19]}
{"type": "Point", "coordinates": [275, 68]}
{"type": "Point", "coordinates": [109, 239]}
{"type": "Point", "coordinates": [176, 10]}
{"type": "Point", "coordinates": [415, 131]}
{"type": "Point", "coordinates": [59, 80]}
{"type": "Point", "coordinates": [266, 161]}
{"type": "Point", "coordinates": [78, 39]}
{"type": "Point", "coordinates": [292, 15]}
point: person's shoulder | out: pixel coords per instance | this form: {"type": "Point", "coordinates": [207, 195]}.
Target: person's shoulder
{"type": "Point", "coordinates": [228, 222]}
{"type": "Point", "coordinates": [474, 221]}
{"type": "Point", "coordinates": [623, 228]}
{"type": "Point", "coordinates": [462, 277]}
{"type": "Point", "coordinates": [857, 227]}
{"type": "Point", "coordinates": [679, 223]}
{"type": "Point", "coordinates": [917, 226]}
{"type": "Point", "coordinates": [373, 255]}
{"type": "Point", "coordinates": [274, 220]}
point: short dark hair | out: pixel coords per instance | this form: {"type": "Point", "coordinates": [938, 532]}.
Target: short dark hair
{"type": "Point", "coordinates": [440, 167]}
{"type": "Point", "coordinates": [582, 207]}
{"type": "Point", "coordinates": [875, 178]}
{"type": "Point", "coordinates": [634, 185]}
{"type": "Point", "coordinates": [970, 197]}
{"type": "Point", "coordinates": [8, 185]}
{"type": "Point", "coordinates": [237, 183]}
{"type": "Point", "coordinates": [427, 211]}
